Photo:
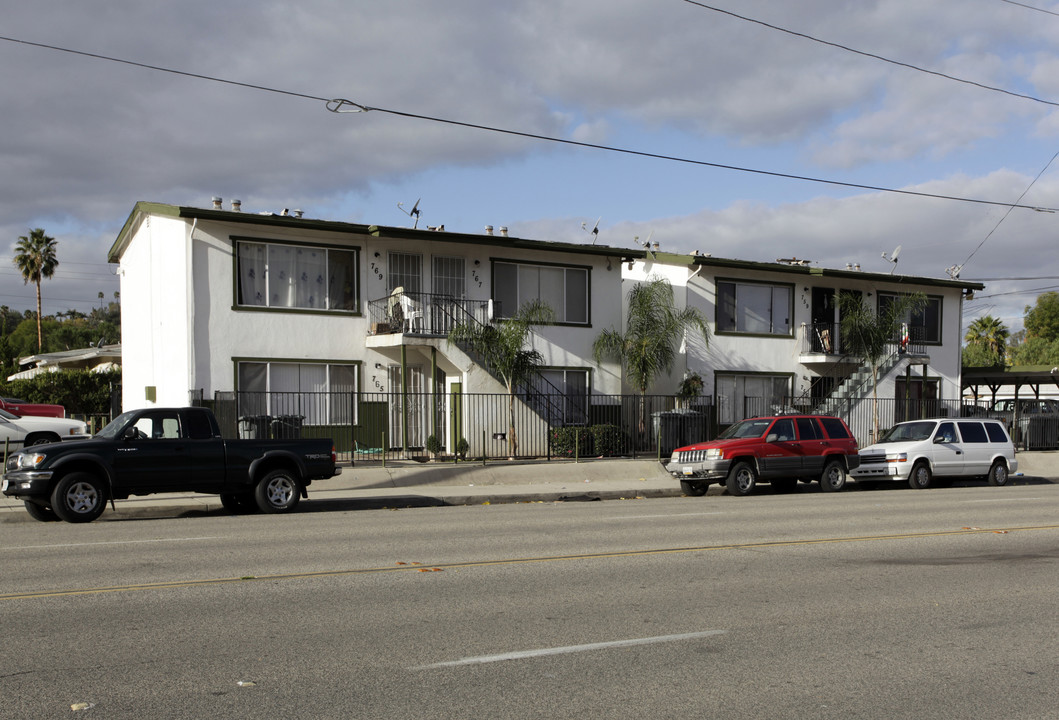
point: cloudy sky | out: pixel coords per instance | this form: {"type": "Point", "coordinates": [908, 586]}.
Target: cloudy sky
{"type": "Point", "coordinates": [83, 138]}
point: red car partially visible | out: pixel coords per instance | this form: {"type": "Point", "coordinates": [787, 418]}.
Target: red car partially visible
{"type": "Point", "coordinates": [21, 407]}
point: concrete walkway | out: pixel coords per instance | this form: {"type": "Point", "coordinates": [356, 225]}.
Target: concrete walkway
{"type": "Point", "coordinates": [413, 484]}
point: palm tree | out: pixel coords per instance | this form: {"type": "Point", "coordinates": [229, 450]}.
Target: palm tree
{"type": "Point", "coordinates": [869, 334]}
{"type": "Point", "coordinates": [648, 346]}
{"type": "Point", "coordinates": [35, 259]}
{"type": "Point", "coordinates": [502, 348]}
{"type": "Point", "coordinates": [991, 334]}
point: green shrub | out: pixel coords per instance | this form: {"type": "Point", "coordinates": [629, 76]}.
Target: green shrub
{"type": "Point", "coordinates": [462, 448]}
{"type": "Point", "coordinates": [433, 445]}
{"type": "Point", "coordinates": [570, 442]}
{"type": "Point", "coordinates": [81, 392]}
{"type": "Point", "coordinates": [607, 440]}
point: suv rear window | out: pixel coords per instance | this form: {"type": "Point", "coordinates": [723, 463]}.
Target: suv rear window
{"type": "Point", "coordinates": [835, 427]}
{"type": "Point", "coordinates": [996, 432]}
{"type": "Point", "coordinates": [972, 432]}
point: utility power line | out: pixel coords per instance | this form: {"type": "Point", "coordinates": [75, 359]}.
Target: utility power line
{"type": "Point", "coordinates": [874, 56]}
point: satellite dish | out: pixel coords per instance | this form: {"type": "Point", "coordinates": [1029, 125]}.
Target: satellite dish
{"type": "Point", "coordinates": [413, 213]}
{"type": "Point", "coordinates": [893, 258]}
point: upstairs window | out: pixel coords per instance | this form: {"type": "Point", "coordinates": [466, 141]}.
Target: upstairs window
{"type": "Point", "coordinates": [301, 277]}
{"type": "Point", "coordinates": [564, 289]}
{"type": "Point", "coordinates": [753, 308]}
{"type": "Point", "coordinates": [924, 325]}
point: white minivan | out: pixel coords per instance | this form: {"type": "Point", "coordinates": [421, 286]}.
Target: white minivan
{"type": "Point", "coordinates": [920, 450]}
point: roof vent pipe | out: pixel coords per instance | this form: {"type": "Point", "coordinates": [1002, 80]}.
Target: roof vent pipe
{"type": "Point", "coordinates": [217, 202]}
{"type": "Point", "coordinates": [488, 229]}
{"type": "Point", "coordinates": [237, 205]}
{"type": "Point", "coordinates": [298, 213]}
{"type": "Point", "coordinates": [503, 230]}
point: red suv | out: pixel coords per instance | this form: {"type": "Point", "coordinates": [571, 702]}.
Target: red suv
{"type": "Point", "coordinates": [779, 449]}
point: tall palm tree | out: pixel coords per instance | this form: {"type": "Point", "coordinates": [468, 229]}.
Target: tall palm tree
{"type": "Point", "coordinates": [648, 346]}
{"type": "Point", "coordinates": [502, 348]}
{"type": "Point", "coordinates": [869, 334]}
{"type": "Point", "coordinates": [990, 333]}
{"type": "Point", "coordinates": [35, 259]}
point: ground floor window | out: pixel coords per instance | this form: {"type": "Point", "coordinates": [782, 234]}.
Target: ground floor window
{"type": "Point", "coordinates": [301, 393]}
{"type": "Point", "coordinates": [744, 395]}
{"type": "Point", "coordinates": [568, 403]}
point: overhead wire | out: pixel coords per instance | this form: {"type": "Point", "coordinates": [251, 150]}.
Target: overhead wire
{"type": "Point", "coordinates": [874, 56]}
{"type": "Point", "coordinates": [339, 105]}
{"type": "Point", "coordinates": [1031, 7]}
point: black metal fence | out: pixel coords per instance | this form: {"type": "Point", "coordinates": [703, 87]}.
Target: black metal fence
{"type": "Point", "coordinates": [376, 427]}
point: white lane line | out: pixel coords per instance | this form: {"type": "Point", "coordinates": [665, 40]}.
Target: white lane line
{"type": "Point", "coordinates": [523, 654]}
{"type": "Point", "coordinates": [643, 517]}
{"type": "Point", "coordinates": [996, 500]}
{"type": "Point", "coordinates": [114, 542]}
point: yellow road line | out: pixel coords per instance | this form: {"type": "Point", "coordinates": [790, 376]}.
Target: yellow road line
{"type": "Point", "coordinates": [516, 561]}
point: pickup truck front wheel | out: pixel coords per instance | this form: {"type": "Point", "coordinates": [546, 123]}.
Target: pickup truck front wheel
{"type": "Point", "coordinates": [79, 497]}
{"type": "Point", "coordinates": [278, 492]}
{"type": "Point", "coordinates": [741, 479]}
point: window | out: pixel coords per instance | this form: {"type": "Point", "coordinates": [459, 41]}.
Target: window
{"type": "Point", "coordinates": [742, 396]}
{"type": "Point", "coordinates": [808, 429]}
{"type": "Point", "coordinates": [406, 271]}
{"type": "Point", "coordinates": [782, 431]}
{"type": "Point", "coordinates": [572, 386]}
{"type": "Point", "coordinates": [996, 432]}
{"type": "Point", "coordinates": [924, 325]}
{"type": "Point", "coordinates": [321, 394]}
{"type": "Point", "coordinates": [447, 277]}
{"type": "Point", "coordinates": [753, 308]}
{"type": "Point", "coordinates": [836, 429]}
{"type": "Point", "coordinates": [295, 276]}
{"type": "Point", "coordinates": [564, 289]}
{"type": "Point", "coordinates": [972, 432]}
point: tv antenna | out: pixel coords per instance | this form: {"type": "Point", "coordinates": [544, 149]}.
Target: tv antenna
{"type": "Point", "coordinates": [414, 212]}
{"type": "Point", "coordinates": [594, 231]}
{"type": "Point", "coordinates": [646, 244]}
{"type": "Point", "coordinates": [893, 258]}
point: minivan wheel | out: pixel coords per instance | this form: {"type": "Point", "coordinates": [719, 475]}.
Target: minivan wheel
{"type": "Point", "coordinates": [694, 489]}
{"type": "Point", "coordinates": [998, 474]}
{"type": "Point", "coordinates": [921, 476]}
{"type": "Point", "coordinates": [833, 478]}
{"type": "Point", "coordinates": [741, 479]}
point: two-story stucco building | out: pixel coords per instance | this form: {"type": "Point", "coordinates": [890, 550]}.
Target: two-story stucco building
{"type": "Point", "coordinates": [336, 323]}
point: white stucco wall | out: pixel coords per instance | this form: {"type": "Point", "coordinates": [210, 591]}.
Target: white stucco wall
{"type": "Point", "coordinates": [154, 329]}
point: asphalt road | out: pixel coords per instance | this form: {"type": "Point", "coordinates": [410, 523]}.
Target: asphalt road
{"type": "Point", "coordinates": [872, 604]}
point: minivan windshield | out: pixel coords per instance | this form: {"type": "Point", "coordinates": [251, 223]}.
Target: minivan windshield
{"type": "Point", "coordinates": [753, 428]}
{"type": "Point", "coordinates": [909, 432]}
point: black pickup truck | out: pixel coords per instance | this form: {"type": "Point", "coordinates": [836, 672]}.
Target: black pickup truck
{"type": "Point", "coordinates": [158, 450]}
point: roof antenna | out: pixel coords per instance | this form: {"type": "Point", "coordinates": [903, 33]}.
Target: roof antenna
{"type": "Point", "coordinates": [594, 231]}
{"type": "Point", "coordinates": [893, 258]}
{"type": "Point", "coordinates": [414, 212]}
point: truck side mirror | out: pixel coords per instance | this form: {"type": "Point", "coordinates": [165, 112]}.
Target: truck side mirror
{"type": "Point", "coordinates": [772, 437]}
{"type": "Point", "coordinates": [131, 433]}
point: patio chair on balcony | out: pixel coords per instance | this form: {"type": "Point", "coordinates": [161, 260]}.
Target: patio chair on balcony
{"type": "Point", "coordinates": [413, 314]}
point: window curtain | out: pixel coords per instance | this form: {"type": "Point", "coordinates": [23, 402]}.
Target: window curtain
{"type": "Point", "coordinates": [253, 286]}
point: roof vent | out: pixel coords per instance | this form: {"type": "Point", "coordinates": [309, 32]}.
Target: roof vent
{"type": "Point", "coordinates": [237, 205]}
{"type": "Point", "coordinates": [488, 229]}
{"type": "Point", "coordinates": [503, 230]}
{"type": "Point", "coordinates": [297, 213]}
{"type": "Point", "coordinates": [217, 201]}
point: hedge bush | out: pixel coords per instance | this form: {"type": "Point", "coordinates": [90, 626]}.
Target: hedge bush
{"type": "Point", "coordinates": [597, 440]}
{"type": "Point", "coordinates": [81, 392]}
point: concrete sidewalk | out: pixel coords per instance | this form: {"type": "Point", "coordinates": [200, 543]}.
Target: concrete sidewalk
{"type": "Point", "coordinates": [404, 484]}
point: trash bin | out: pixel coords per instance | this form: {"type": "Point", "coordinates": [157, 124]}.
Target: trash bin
{"type": "Point", "coordinates": [287, 427]}
{"type": "Point", "coordinates": [677, 428]}
{"type": "Point", "coordinates": [254, 427]}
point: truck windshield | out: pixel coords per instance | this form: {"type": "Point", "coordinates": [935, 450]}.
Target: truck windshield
{"type": "Point", "coordinates": [115, 426]}
{"type": "Point", "coordinates": [908, 432]}
{"type": "Point", "coordinates": [746, 429]}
